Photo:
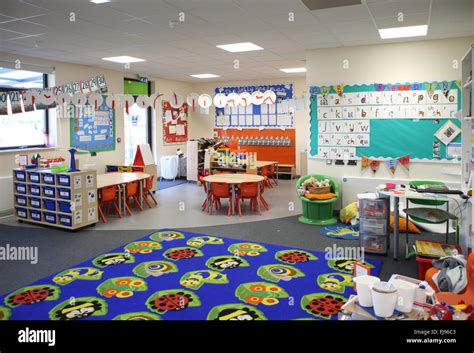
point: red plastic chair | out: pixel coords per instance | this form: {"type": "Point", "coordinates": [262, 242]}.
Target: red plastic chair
{"type": "Point", "coordinates": [265, 172]}
{"type": "Point", "coordinates": [271, 173]}
{"type": "Point", "coordinates": [108, 195]}
{"type": "Point", "coordinates": [132, 192]}
{"type": "Point", "coordinates": [220, 191]}
{"type": "Point", "coordinates": [248, 191]}
{"type": "Point", "coordinates": [147, 191]}
{"type": "Point", "coordinates": [262, 189]}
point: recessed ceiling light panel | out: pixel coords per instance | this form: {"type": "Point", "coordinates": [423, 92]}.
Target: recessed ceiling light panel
{"type": "Point", "coordinates": [124, 59]}
{"type": "Point", "coordinates": [204, 75]}
{"type": "Point", "coordinates": [292, 70]}
{"type": "Point", "coordinates": [240, 47]}
{"type": "Point", "coordinates": [403, 32]}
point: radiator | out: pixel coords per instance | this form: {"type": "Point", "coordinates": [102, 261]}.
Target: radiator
{"type": "Point", "coordinates": [6, 195]}
{"type": "Point", "coordinates": [353, 185]}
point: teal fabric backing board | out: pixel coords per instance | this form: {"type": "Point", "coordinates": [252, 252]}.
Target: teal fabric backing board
{"type": "Point", "coordinates": [392, 138]}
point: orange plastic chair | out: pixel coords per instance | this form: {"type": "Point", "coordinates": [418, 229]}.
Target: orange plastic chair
{"type": "Point", "coordinates": [108, 195]}
{"type": "Point", "coordinates": [265, 172]}
{"type": "Point", "coordinates": [220, 191]}
{"type": "Point", "coordinates": [208, 198]}
{"type": "Point", "coordinates": [147, 191]}
{"type": "Point", "coordinates": [262, 189]}
{"type": "Point", "coordinates": [132, 192]}
{"type": "Point", "coordinates": [467, 295]}
{"type": "Point", "coordinates": [248, 191]}
{"type": "Point", "coordinates": [271, 173]}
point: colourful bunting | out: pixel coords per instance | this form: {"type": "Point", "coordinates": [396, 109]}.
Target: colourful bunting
{"type": "Point", "coordinates": [392, 165]}
{"type": "Point", "coordinates": [405, 161]}
{"type": "Point", "coordinates": [364, 162]}
{"type": "Point", "coordinates": [339, 89]}
{"type": "Point", "coordinates": [374, 165]}
{"type": "Point", "coordinates": [379, 87]}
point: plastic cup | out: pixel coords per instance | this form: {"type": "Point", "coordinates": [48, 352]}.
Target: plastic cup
{"type": "Point", "coordinates": [384, 297]}
{"type": "Point", "coordinates": [363, 284]}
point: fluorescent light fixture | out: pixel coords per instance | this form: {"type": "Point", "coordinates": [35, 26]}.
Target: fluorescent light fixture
{"type": "Point", "coordinates": [292, 70]}
{"type": "Point", "coordinates": [204, 75]}
{"type": "Point", "coordinates": [99, 1]}
{"type": "Point", "coordinates": [19, 74]}
{"type": "Point", "coordinates": [239, 47]}
{"type": "Point", "coordinates": [124, 59]}
{"type": "Point", "coordinates": [403, 32]}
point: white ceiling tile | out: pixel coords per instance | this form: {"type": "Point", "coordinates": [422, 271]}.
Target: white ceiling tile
{"type": "Point", "coordinates": [342, 14]}
{"type": "Point", "coordinates": [393, 8]}
{"type": "Point", "coordinates": [408, 20]}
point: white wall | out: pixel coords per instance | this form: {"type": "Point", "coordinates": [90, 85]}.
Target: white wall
{"type": "Point", "coordinates": [388, 63]}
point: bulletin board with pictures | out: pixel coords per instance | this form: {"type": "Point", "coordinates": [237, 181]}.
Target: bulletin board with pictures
{"type": "Point", "coordinates": [386, 121]}
{"type": "Point", "coordinates": [175, 123]}
{"type": "Point", "coordinates": [93, 129]}
{"type": "Point", "coordinates": [273, 115]}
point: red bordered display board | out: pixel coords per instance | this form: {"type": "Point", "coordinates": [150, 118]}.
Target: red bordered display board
{"type": "Point", "coordinates": [175, 123]}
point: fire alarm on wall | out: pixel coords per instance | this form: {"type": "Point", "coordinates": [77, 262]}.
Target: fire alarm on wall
{"type": "Point", "coordinates": [119, 139]}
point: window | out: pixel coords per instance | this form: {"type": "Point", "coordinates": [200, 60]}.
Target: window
{"type": "Point", "coordinates": [138, 120]}
{"type": "Point", "coordinates": [24, 129]}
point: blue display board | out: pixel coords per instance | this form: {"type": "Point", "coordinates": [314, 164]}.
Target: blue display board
{"type": "Point", "coordinates": [383, 121]}
{"type": "Point", "coordinates": [93, 130]}
{"type": "Point", "coordinates": [255, 116]}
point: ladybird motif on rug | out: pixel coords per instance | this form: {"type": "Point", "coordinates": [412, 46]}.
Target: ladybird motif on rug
{"type": "Point", "coordinates": [154, 268]}
{"type": "Point", "coordinates": [113, 259]}
{"type": "Point", "coordinates": [346, 264]}
{"type": "Point", "coordinates": [246, 249]}
{"type": "Point", "coordinates": [181, 253]}
{"type": "Point", "coordinates": [5, 313]}
{"type": "Point", "coordinates": [323, 305]}
{"type": "Point", "coordinates": [235, 312]}
{"type": "Point", "coordinates": [121, 287]}
{"type": "Point", "coordinates": [260, 293]}
{"type": "Point", "coordinates": [142, 247]}
{"type": "Point", "coordinates": [78, 308]}
{"type": "Point", "coordinates": [335, 282]}
{"type": "Point", "coordinates": [138, 316]}
{"type": "Point", "coordinates": [196, 279]}
{"type": "Point", "coordinates": [226, 262]}
{"type": "Point", "coordinates": [172, 300]}
{"type": "Point", "coordinates": [198, 242]}
{"type": "Point", "coordinates": [32, 295]}
{"type": "Point", "coordinates": [294, 256]}
{"type": "Point", "coordinates": [279, 272]}
{"type": "Point", "coordinates": [167, 235]}
{"type": "Point", "coordinates": [77, 273]}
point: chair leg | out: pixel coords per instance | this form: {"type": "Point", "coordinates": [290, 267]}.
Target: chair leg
{"type": "Point", "coordinates": [145, 199]}
{"type": "Point", "coordinates": [128, 209]}
{"type": "Point", "coordinates": [117, 210]}
{"type": "Point", "coordinates": [212, 205]}
{"type": "Point", "coordinates": [152, 197]}
{"type": "Point", "coordinates": [101, 214]}
{"type": "Point", "coordinates": [239, 207]}
{"type": "Point", "coordinates": [137, 203]}
{"type": "Point", "coordinates": [265, 204]}
{"type": "Point", "coordinates": [258, 205]}
{"type": "Point", "coordinates": [230, 205]}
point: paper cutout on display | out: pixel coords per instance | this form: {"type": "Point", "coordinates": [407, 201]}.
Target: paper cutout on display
{"type": "Point", "coordinates": [374, 165]}
{"type": "Point", "coordinates": [220, 100]}
{"type": "Point", "coordinates": [257, 98]}
{"type": "Point", "coordinates": [176, 100]}
{"type": "Point", "coordinates": [192, 100]}
{"type": "Point", "coordinates": [392, 165]}
{"type": "Point", "coordinates": [339, 89]}
{"type": "Point", "coordinates": [364, 163]}
{"type": "Point", "coordinates": [269, 97]}
{"type": "Point", "coordinates": [205, 101]}
{"type": "Point", "coordinates": [245, 99]}
{"type": "Point", "coordinates": [15, 101]}
{"type": "Point", "coordinates": [143, 101]}
{"type": "Point", "coordinates": [95, 99]}
{"type": "Point", "coordinates": [127, 101]}
{"type": "Point", "coordinates": [448, 132]}
{"type": "Point", "coordinates": [405, 161]}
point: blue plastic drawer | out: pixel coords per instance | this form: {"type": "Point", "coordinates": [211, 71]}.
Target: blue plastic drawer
{"type": "Point", "coordinates": [21, 200]}
{"type": "Point", "coordinates": [34, 190]}
{"type": "Point", "coordinates": [112, 168]}
{"type": "Point", "coordinates": [64, 194]}
{"type": "Point", "coordinates": [49, 205]}
{"type": "Point", "coordinates": [49, 217]}
{"type": "Point", "coordinates": [49, 191]}
{"type": "Point", "coordinates": [65, 220]}
{"type": "Point", "coordinates": [20, 175]}
{"type": "Point", "coordinates": [34, 177]}
{"type": "Point", "coordinates": [35, 215]}
{"type": "Point", "coordinates": [20, 188]}
{"type": "Point", "coordinates": [64, 207]}
{"type": "Point", "coordinates": [34, 202]}
{"type": "Point", "coordinates": [21, 212]}
{"type": "Point", "coordinates": [48, 178]}
{"type": "Point", "coordinates": [64, 180]}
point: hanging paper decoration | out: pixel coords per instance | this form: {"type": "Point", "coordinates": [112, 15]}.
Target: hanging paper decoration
{"type": "Point", "coordinates": [15, 101]}
{"type": "Point", "coordinates": [63, 98]}
{"type": "Point", "coordinates": [365, 162]}
{"type": "Point", "coordinates": [143, 101]}
{"type": "Point", "coordinates": [79, 99]}
{"type": "Point", "coordinates": [392, 165]}
{"type": "Point", "coordinates": [95, 99]}
{"type": "Point", "coordinates": [111, 101]}
{"type": "Point", "coordinates": [26, 100]}
{"type": "Point", "coordinates": [405, 161]}
{"type": "Point", "coordinates": [269, 97]}
{"type": "Point", "coordinates": [379, 87]}
{"type": "Point", "coordinates": [205, 101]}
{"type": "Point", "coordinates": [176, 100]}
{"type": "Point", "coordinates": [374, 165]}
{"type": "Point", "coordinates": [233, 100]}
{"type": "Point", "coordinates": [339, 89]}
{"type": "Point", "coordinates": [257, 97]}
{"type": "Point", "coordinates": [220, 100]}
{"type": "Point", "coordinates": [128, 101]}
{"type": "Point", "coordinates": [245, 99]}
{"type": "Point", "coordinates": [46, 99]}
{"type": "Point", "coordinates": [192, 100]}
{"type": "Point", "coordinates": [3, 103]}
{"type": "Point", "coordinates": [155, 100]}
{"type": "Point", "coordinates": [325, 91]}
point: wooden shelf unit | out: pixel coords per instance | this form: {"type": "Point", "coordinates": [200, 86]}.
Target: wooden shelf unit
{"type": "Point", "coordinates": [287, 169]}
{"type": "Point", "coordinates": [62, 200]}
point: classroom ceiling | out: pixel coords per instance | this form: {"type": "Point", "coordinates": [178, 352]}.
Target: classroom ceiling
{"type": "Point", "coordinates": [150, 29]}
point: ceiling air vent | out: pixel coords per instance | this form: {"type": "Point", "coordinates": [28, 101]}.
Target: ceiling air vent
{"type": "Point", "coordinates": [327, 4]}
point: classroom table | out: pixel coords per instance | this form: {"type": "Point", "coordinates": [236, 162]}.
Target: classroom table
{"type": "Point", "coordinates": [407, 193]}
{"type": "Point", "coordinates": [232, 179]}
{"type": "Point", "coordinates": [261, 164]}
{"type": "Point", "coordinates": [121, 180]}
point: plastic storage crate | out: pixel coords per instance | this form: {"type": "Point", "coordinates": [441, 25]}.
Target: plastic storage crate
{"type": "Point", "coordinates": [49, 217]}
{"type": "Point", "coordinates": [64, 207]}
{"type": "Point", "coordinates": [35, 202]}
{"type": "Point", "coordinates": [49, 205]}
{"type": "Point", "coordinates": [21, 200]}
{"type": "Point", "coordinates": [34, 177]}
{"type": "Point", "coordinates": [20, 188]}
{"type": "Point", "coordinates": [65, 220]}
{"type": "Point", "coordinates": [64, 180]}
{"type": "Point", "coordinates": [35, 190]}
{"type": "Point", "coordinates": [48, 178]}
{"type": "Point", "coordinates": [374, 228]}
{"type": "Point", "coordinates": [64, 193]}
{"type": "Point", "coordinates": [49, 191]}
{"type": "Point", "coordinates": [22, 212]}
{"type": "Point", "coordinates": [20, 175]}
{"type": "Point", "coordinates": [35, 215]}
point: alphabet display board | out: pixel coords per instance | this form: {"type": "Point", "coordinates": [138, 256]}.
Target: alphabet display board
{"type": "Point", "coordinates": [382, 121]}
{"type": "Point", "coordinates": [253, 116]}
{"type": "Point", "coordinates": [93, 130]}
